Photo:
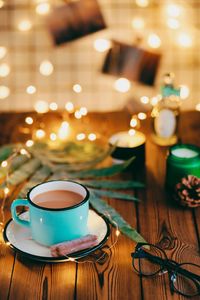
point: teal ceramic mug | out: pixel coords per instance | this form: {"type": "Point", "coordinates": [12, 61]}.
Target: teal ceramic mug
{"type": "Point", "coordinates": [54, 225]}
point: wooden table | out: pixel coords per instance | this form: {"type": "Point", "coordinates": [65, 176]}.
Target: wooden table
{"type": "Point", "coordinates": [174, 228]}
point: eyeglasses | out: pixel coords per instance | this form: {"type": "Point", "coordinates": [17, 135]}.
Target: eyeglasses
{"type": "Point", "coordinates": [184, 278]}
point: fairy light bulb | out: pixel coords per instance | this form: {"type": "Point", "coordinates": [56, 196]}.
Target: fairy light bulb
{"type": "Point", "coordinates": [197, 107]}
{"type": "Point", "coordinates": [4, 164]}
{"type": "Point", "coordinates": [154, 41]}
{"type": "Point", "coordinates": [83, 111]}
{"type": "Point", "coordinates": [25, 25]}
{"type": "Point", "coordinates": [69, 106]}
{"type": "Point", "coordinates": [142, 3]}
{"type": "Point", "coordinates": [4, 92]}
{"type": "Point", "coordinates": [3, 51]}
{"type": "Point", "coordinates": [29, 143]}
{"type": "Point", "coordinates": [46, 68]}
{"type": "Point", "coordinates": [133, 122]}
{"type": "Point", "coordinates": [31, 89]}
{"type": "Point", "coordinates": [102, 45]}
{"type": "Point", "coordinates": [43, 8]}
{"type": "Point", "coordinates": [80, 136]}
{"type": "Point", "coordinates": [184, 40]}
{"type": "Point", "coordinates": [53, 106]}
{"type": "Point", "coordinates": [6, 191]}
{"type": "Point", "coordinates": [77, 114]}
{"type": "Point", "coordinates": [122, 85]}
{"type": "Point", "coordinates": [64, 130]}
{"type": "Point", "coordinates": [144, 99]}
{"type": "Point", "coordinates": [154, 101]}
{"type": "Point", "coordinates": [4, 70]}
{"type": "Point", "coordinates": [40, 133]}
{"type": "Point", "coordinates": [173, 23]}
{"type": "Point", "coordinates": [29, 120]}
{"type": "Point", "coordinates": [142, 116]}
{"type": "Point", "coordinates": [41, 107]}
{"type": "Point", "coordinates": [77, 88]}
{"type": "Point", "coordinates": [138, 23]}
{"type": "Point", "coordinates": [92, 137]}
{"type": "Point", "coordinates": [184, 92]}
{"type": "Point", "coordinates": [53, 136]}
{"type": "Point", "coordinates": [173, 10]}
{"type": "Point", "coordinates": [131, 132]}
{"type": "Point", "coordinates": [23, 152]}
{"type": "Point", "coordinates": [117, 232]}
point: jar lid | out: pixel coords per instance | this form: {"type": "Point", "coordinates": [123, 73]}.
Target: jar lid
{"type": "Point", "coordinates": [184, 152]}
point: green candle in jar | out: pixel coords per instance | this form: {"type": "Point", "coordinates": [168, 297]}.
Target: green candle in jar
{"type": "Point", "coordinates": [183, 160]}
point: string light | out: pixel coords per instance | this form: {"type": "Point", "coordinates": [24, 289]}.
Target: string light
{"type": "Point", "coordinates": [154, 101]}
{"type": "Point", "coordinates": [83, 111]}
{"type": "Point", "coordinates": [77, 88]}
{"type": "Point", "coordinates": [25, 25]}
{"type": "Point", "coordinates": [184, 92]}
{"type": "Point", "coordinates": [31, 89]}
{"type": "Point", "coordinates": [92, 137]}
{"type": "Point", "coordinates": [4, 70]}
{"type": "Point", "coordinates": [117, 232]}
{"type": "Point", "coordinates": [138, 23]}
{"type": "Point", "coordinates": [24, 152]}
{"type": "Point", "coordinates": [53, 136]}
{"type": "Point", "coordinates": [6, 191]}
{"type": "Point", "coordinates": [46, 68]}
{"type": "Point", "coordinates": [4, 92]}
{"type": "Point", "coordinates": [102, 45]}
{"type": "Point", "coordinates": [80, 136]}
{"type": "Point", "coordinates": [173, 10]}
{"type": "Point", "coordinates": [29, 120]}
{"type": "Point", "coordinates": [77, 114]}
{"type": "Point", "coordinates": [40, 133]}
{"type": "Point", "coordinates": [29, 143]}
{"type": "Point", "coordinates": [64, 130]}
{"type": "Point", "coordinates": [43, 8]}
{"type": "Point", "coordinates": [197, 107]}
{"type": "Point", "coordinates": [133, 122]}
{"type": "Point", "coordinates": [3, 52]}
{"type": "Point", "coordinates": [142, 116]}
{"type": "Point", "coordinates": [41, 107]}
{"type": "Point", "coordinates": [144, 99]}
{"type": "Point", "coordinates": [154, 41]}
{"type": "Point", "coordinates": [122, 85]}
{"type": "Point", "coordinates": [142, 3]}
{"type": "Point", "coordinates": [4, 164]}
{"type": "Point", "coordinates": [173, 23]}
{"type": "Point", "coordinates": [53, 106]}
{"type": "Point", "coordinates": [184, 40]}
{"type": "Point", "coordinates": [69, 106]}
{"type": "Point", "coordinates": [131, 132]}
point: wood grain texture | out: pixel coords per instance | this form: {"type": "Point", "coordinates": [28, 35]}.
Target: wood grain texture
{"type": "Point", "coordinates": [157, 217]}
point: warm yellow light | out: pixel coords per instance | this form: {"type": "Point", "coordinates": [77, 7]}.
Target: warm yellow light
{"type": "Point", "coordinates": [92, 137]}
{"type": "Point", "coordinates": [184, 91]}
{"type": "Point", "coordinates": [6, 191]}
{"type": "Point", "coordinates": [41, 107]}
{"type": "Point", "coordinates": [29, 143]}
{"type": "Point", "coordinates": [173, 10]}
{"type": "Point", "coordinates": [3, 51]}
{"type": "Point", "coordinates": [69, 106]}
{"type": "Point", "coordinates": [138, 23]}
{"type": "Point", "coordinates": [80, 136]}
{"type": "Point", "coordinates": [197, 107]}
{"type": "Point", "coordinates": [46, 68]}
{"type": "Point", "coordinates": [122, 85]}
{"type": "Point", "coordinates": [53, 106]}
{"type": "Point", "coordinates": [64, 130]}
{"type": "Point", "coordinates": [43, 8]}
{"type": "Point", "coordinates": [144, 99]}
{"type": "Point", "coordinates": [29, 120]}
{"type": "Point", "coordinates": [131, 132]}
{"type": "Point", "coordinates": [154, 101]}
{"type": "Point", "coordinates": [142, 3]}
{"type": "Point", "coordinates": [83, 111]}
{"type": "Point", "coordinates": [25, 25]}
{"type": "Point", "coordinates": [102, 45]}
{"type": "Point", "coordinates": [4, 91]}
{"type": "Point", "coordinates": [133, 122]}
{"type": "Point", "coordinates": [1, 3]}
{"type": "Point", "coordinates": [40, 133]}
{"type": "Point", "coordinates": [4, 70]}
{"type": "Point", "coordinates": [117, 232]}
{"type": "Point", "coordinates": [4, 164]}
{"type": "Point", "coordinates": [31, 89]}
{"type": "Point", "coordinates": [53, 136]}
{"type": "Point", "coordinates": [184, 40]}
{"type": "Point", "coordinates": [142, 116]}
{"type": "Point", "coordinates": [77, 88]}
{"type": "Point", "coordinates": [23, 152]}
{"type": "Point", "coordinates": [77, 114]}
{"type": "Point", "coordinates": [154, 41]}
{"type": "Point", "coordinates": [173, 23]}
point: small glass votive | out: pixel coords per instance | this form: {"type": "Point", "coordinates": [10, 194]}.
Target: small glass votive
{"type": "Point", "coordinates": [128, 145]}
{"type": "Point", "coordinates": [182, 160]}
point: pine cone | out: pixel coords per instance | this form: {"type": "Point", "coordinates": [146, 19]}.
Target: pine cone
{"type": "Point", "coordinates": [187, 192]}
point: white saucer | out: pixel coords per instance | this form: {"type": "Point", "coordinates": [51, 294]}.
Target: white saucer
{"type": "Point", "coordinates": [19, 238]}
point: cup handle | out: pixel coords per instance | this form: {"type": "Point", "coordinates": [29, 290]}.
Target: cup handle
{"type": "Point", "coordinates": [19, 202]}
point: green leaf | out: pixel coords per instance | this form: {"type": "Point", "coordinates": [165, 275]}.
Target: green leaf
{"type": "Point", "coordinates": [40, 175]}
{"type": "Point", "coordinates": [109, 171]}
{"type": "Point", "coordinates": [114, 218]}
{"type": "Point", "coordinates": [5, 152]}
{"type": "Point", "coordinates": [112, 184]}
{"type": "Point", "coordinates": [116, 195]}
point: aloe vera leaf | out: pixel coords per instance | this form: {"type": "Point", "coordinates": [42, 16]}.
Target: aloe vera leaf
{"type": "Point", "coordinates": [116, 195]}
{"type": "Point", "coordinates": [111, 184]}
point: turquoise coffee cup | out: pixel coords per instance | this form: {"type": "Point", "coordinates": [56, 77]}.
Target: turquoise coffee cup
{"type": "Point", "coordinates": [54, 225]}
